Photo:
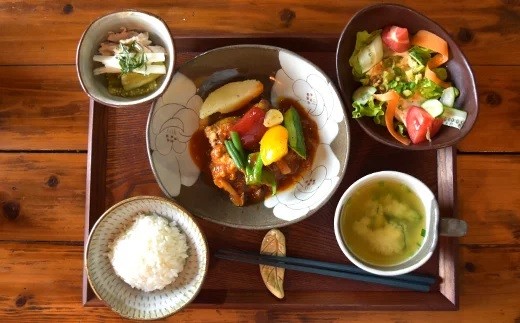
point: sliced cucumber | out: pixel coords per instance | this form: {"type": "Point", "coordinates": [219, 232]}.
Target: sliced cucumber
{"type": "Point", "coordinates": [434, 107]}
{"type": "Point", "coordinates": [448, 96]}
{"type": "Point", "coordinates": [371, 54]}
{"type": "Point", "coordinates": [363, 94]}
{"type": "Point", "coordinates": [132, 80]}
{"type": "Point", "coordinates": [454, 117]}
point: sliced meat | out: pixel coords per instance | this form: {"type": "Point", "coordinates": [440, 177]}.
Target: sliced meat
{"type": "Point", "coordinates": [123, 34]}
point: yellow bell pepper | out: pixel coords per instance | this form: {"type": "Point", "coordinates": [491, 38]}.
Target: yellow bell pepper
{"type": "Point", "coordinates": [273, 145]}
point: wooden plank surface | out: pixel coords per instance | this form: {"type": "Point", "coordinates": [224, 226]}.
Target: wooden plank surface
{"type": "Point", "coordinates": [42, 196]}
{"type": "Point", "coordinates": [45, 104]}
{"type": "Point", "coordinates": [42, 108]}
{"type": "Point", "coordinates": [51, 193]}
{"type": "Point", "coordinates": [30, 270]}
{"type": "Point", "coordinates": [489, 198]}
{"type": "Point", "coordinates": [488, 28]}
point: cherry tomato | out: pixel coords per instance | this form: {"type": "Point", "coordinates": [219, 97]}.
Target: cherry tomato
{"type": "Point", "coordinates": [396, 38]}
{"type": "Point", "coordinates": [251, 127]}
{"type": "Point", "coordinates": [420, 125]}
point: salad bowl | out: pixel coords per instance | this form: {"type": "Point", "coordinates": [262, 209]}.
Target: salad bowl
{"type": "Point", "coordinates": [174, 118]}
{"type": "Point", "coordinates": [459, 71]}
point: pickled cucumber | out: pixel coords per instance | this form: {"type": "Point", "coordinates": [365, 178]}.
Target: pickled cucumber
{"type": "Point", "coordinates": [115, 87]}
{"type": "Point", "coordinates": [132, 81]}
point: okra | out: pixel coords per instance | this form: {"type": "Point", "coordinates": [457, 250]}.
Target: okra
{"type": "Point", "coordinates": [293, 125]}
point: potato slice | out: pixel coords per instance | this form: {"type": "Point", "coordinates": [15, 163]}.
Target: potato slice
{"type": "Point", "coordinates": [230, 97]}
{"type": "Point", "coordinates": [273, 244]}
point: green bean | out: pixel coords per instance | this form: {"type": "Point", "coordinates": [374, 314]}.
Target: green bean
{"type": "Point", "coordinates": [234, 154]}
{"type": "Point", "coordinates": [235, 138]}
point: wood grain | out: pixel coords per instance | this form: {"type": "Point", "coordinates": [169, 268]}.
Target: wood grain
{"type": "Point", "coordinates": [42, 107]}
{"type": "Point", "coordinates": [483, 23]}
{"type": "Point", "coordinates": [47, 110]}
{"type": "Point", "coordinates": [489, 198]}
{"type": "Point", "coordinates": [489, 276]}
{"type": "Point", "coordinates": [485, 197]}
{"type": "Point", "coordinates": [42, 196]}
{"type": "Point", "coordinates": [498, 123]}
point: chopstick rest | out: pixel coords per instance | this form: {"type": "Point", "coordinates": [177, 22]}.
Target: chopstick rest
{"type": "Point", "coordinates": [414, 282]}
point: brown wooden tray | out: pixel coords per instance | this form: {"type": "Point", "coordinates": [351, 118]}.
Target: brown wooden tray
{"type": "Point", "coordinates": [118, 168]}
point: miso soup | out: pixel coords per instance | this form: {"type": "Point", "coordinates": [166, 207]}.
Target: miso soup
{"type": "Point", "coordinates": [383, 223]}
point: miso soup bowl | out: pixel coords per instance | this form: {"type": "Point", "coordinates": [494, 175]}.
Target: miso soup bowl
{"type": "Point", "coordinates": [435, 225]}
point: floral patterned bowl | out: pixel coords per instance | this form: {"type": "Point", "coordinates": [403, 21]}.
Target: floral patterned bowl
{"type": "Point", "coordinates": [174, 118]}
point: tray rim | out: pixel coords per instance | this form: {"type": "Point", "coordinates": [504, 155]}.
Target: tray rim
{"type": "Point", "coordinates": [446, 298]}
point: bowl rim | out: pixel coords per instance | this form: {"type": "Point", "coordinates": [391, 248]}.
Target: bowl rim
{"type": "Point", "coordinates": [139, 100]}
{"type": "Point", "coordinates": [391, 141]}
{"type": "Point", "coordinates": [107, 213]}
{"type": "Point", "coordinates": [344, 158]}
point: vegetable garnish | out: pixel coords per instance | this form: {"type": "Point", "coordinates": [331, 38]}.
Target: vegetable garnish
{"type": "Point", "coordinates": [433, 42]}
{"type": "Point", "coordinates": [392, 99]}
{"type": "Point", "coordinates": [131, 57]}
{"type": "Point", "coordinates": [235, 138]}
{"type": "Point", "coordinates": [293, 125]}
{"type": "Point", "coordinates": [273, 145]}
{"type": "Point", "coordinates": [234, 154]}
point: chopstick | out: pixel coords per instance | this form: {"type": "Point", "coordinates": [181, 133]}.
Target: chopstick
{"type": "Point", "coordinates": [407, 281]}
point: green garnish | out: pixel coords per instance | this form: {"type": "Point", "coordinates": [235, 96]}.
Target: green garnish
{"type": "Point", "coordinates": [234, 154]}
{"type": "Point", "coordinates": [235, 139]}
{"type": "Point", "coordinates": [292, 122]}
{"type": "Point", "coordinates": [131, 57]}
{"type": "Point", "coordinates": [423, 232]}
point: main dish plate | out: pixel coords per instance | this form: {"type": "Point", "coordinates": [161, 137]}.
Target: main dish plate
{"type": "Point", "coordinates": [174, 118]}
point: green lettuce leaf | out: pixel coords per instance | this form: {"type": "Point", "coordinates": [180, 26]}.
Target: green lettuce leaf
{"type": "Point", "coordinates": [429, 89]}
{"type": "Point", "coordinates": [363, 38]}
{"type": "Point", "coordinates": [370, 109]}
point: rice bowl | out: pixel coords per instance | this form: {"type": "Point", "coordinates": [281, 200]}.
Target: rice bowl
{"type": "Point", "coordinates": [120, 296]}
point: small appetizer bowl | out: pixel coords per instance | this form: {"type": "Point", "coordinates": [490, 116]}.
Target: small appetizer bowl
{"type": "Point", "coordinates": [96, 86]}
{"type": "Point", "coordinates": [131, 302]}
{"type": "Point", "coordinates": [459, 72]}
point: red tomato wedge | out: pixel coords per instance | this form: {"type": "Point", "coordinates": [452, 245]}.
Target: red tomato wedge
{"type": "Point", "coordinates": [396, 38]}
{"type": "Point", "coordinates": [420, 125]}
{"type": "Point", "coordinates": [251, 128]}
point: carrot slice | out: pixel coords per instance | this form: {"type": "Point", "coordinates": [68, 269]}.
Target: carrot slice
{"type": "Point", "coordinates": [435, 43]}
{"type": "Point", "coordinates": [392, 100]}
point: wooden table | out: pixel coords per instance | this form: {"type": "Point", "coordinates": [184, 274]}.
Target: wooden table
{"type": "Point", "coordinates": [43, 149]}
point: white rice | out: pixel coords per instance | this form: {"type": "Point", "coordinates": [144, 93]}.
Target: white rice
{"type": "Point", "coordinates": [150, 254]}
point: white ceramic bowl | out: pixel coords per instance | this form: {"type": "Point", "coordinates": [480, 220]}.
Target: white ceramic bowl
{"type": "Point", "coordinates": [96, 85]}
{"type": "Point", "coordinates": [174, 118]}
{"type": "Point", "coordinates": [121, 297]}
{"type": "Point", "coordinates": [431, 209]}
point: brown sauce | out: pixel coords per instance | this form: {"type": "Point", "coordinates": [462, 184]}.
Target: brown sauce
{"type": "Point", "coordinates": [200, 149]}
